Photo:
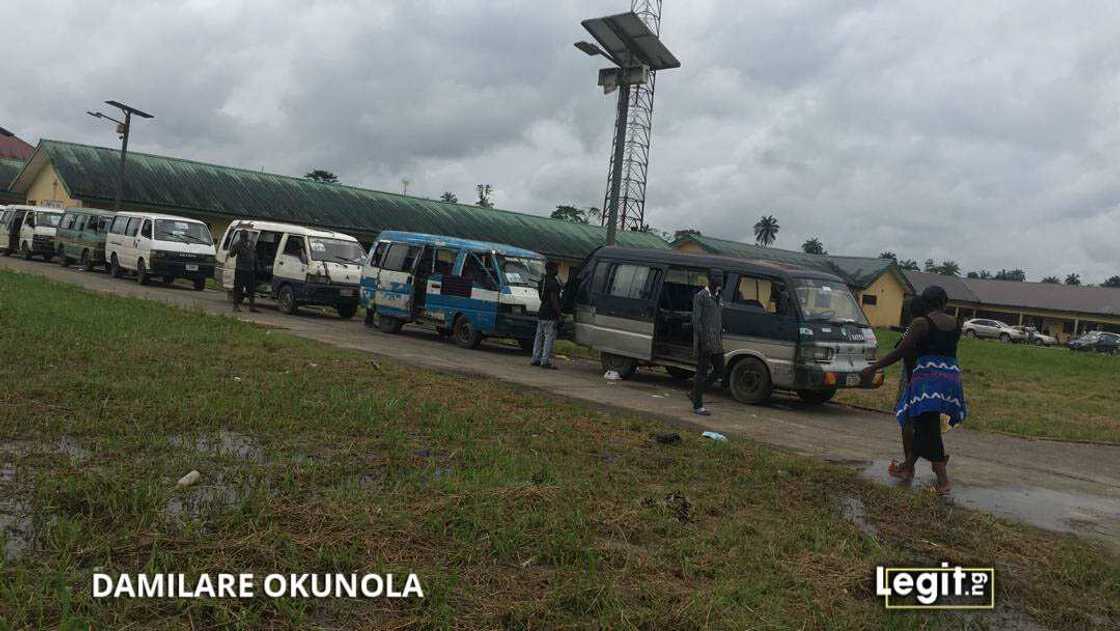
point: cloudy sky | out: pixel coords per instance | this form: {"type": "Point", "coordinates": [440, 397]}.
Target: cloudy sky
{"type": "Point", "coordinates": [985, 132]}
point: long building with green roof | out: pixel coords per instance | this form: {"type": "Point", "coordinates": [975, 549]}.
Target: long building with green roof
{"type": "Point", "coordinates": [69, 174]}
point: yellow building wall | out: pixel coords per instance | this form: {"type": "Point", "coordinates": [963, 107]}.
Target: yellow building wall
{"type": "Point", "coordinates": [689, 247]}
{"type": "Point", "coordinates": [889, 296]}
{"type": "Point", "coordinates": [47, 190]}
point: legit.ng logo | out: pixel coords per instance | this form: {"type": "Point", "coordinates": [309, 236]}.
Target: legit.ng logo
{"type": "Point", "coordinates": [936, 587]}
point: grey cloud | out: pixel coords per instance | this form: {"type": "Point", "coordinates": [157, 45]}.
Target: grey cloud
{"type": "Point", "coordinates": [982, 132]}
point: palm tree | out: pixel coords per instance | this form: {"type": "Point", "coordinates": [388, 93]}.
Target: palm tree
{"type": "Point", "coordinates": [813, 246]}
{"type": "Point", "coordinates": [449, 197]}
{"type": "Point", "coordinates": [1052, 280]}
{"type": "Point", "coordinates": [1073, 279]}
{"type": "Point", "coordinates": [766, 230]}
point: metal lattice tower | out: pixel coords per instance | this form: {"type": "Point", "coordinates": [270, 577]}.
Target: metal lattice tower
{"type": "Point", "coordinates": [639, 124]}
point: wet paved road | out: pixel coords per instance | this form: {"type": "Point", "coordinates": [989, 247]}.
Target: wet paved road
{"type": "Point", "coordinates": [1066, 487]}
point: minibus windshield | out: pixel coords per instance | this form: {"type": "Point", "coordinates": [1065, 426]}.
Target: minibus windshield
{"type": "Point", "coordinates": [520, 271]}
{"type": "Point", "coordinates": [48, 219]}
{"type": "Point", "coordinates": [828, 301]}
{"type": "Point", "coordinates": [336, 251]}
{"type": "Point", "coordinates": [184, 231]}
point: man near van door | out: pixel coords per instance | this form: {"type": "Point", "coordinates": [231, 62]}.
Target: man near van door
{"type": "Point", "coordinates": [245, 272]}
{"type": "Point", "coordinates": [707, 339]}
{"type": "Point", "coordinates": [548, 317]}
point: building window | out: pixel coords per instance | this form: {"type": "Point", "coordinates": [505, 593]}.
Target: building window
{"type": "Point", "coordinates": [870, 299]}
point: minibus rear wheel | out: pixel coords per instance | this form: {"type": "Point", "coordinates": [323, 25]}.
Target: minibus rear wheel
{"type": "Point", "coordinates": [816, 397]}
{"type": "Point", "coordinates": [624, 366]}
{"type": "Point", "coordinates": [199, 284]}
{"type": "Point", "coordinates": [388, 324]}
{"type": "Point", "coordinates": [750, 381]}
{"type": "Point", "coordinates": [465, 333]}
{"type": "Point", "coordinates": [83, 263]}
{"type": "Point", "coordinates": [346, 311]}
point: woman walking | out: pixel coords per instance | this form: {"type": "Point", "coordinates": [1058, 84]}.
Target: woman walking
{"type": "Point", "coordinates": [934, 389]}
{"type": "Point", "coordinates": [915, 310]}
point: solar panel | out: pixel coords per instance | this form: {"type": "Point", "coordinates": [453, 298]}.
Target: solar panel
{"type": "Point", "coordinates": [627, 40]}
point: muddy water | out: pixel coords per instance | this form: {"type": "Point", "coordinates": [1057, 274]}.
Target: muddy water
{"type": "Point", "coordinates": [16, 512]}
{"type": "Point", "coordinates": [1082, 514]}
{"type": "Point", "coordinates": [224, 442]}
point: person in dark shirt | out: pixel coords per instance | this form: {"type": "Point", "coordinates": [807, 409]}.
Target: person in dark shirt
{"type": "Point", "coordinates": [707, 339]}
{"type": "Point", "coordinates": [548, 317]}
{"type": "Point", "coordinates": [245, 272]}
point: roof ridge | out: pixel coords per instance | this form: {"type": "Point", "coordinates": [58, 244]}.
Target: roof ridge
{"type": "Point", "coordinates": [306, 180]}
{"type": "Point", "coordinates": [798, 252]}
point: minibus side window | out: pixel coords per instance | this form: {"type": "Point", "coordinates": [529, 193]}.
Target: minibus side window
{"type": "Point", "coordinates": [119, 223]}
{"type": "Point", "coordinates": [146, 231]}
{"type": "Point", "coordinates": [633, 281]}
{"type": "Point", "coordinates": [67, 221]}
{"type": "Point", "coordinates": [294, 247]}
{"type": "Point", "coordinates": [475, 270]}
{"type": "Point", "coordinates": [761, 294]}
{"type": "Point", "coordinates": [599, 281]}
{"type": "Point", "coordinates": [132, 227]}
{"type": "Point", "coordinates": [410, 258]}
{"type": "Point", "coordinates": [229, 239]}
{"type": "Point", "coordinates": [445, 261]}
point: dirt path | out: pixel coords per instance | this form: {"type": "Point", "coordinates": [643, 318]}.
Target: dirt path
{"type": "Point", "coordinates": [1065, 487]}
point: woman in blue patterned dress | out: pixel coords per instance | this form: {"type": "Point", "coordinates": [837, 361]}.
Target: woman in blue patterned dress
{"type": "Point", "coordinates": [934, 389]}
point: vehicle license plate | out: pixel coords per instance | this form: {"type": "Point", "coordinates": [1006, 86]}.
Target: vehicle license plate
{"type": "Point", "coordinates": [192, 268]}
{"type": "Point", "coordinates": [853, 380]}
{"type": "Point", "coordinates": [346, 292]}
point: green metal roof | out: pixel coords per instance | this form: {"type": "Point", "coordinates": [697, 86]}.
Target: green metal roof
{"type": "Point", "coordinates": [174, 184]}
{"type": "Point", "coordinates": [9, 169]}
{"type": "Point", "coordinates": [857, 271]}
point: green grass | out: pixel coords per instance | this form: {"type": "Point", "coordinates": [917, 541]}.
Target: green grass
{"type": "Point", "coordinates": [517, 510]}
{"type": "Point", "coordinates": [1023, 390]}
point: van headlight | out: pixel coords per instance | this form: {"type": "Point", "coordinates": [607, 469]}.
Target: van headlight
{"type": "Point", "coordinates": [820, 353]}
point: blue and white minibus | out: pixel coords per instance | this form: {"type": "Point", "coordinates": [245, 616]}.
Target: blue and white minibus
{"type": "Point", "coordinates": [466, 289]}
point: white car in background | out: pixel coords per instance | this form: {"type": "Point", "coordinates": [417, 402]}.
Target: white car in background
{"type": "Point", "coordinates": [994, 329]}
{"type": "Point", "coordinates": [1032, 335]}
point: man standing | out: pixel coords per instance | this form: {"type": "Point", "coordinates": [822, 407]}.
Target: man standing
{"type": "Point", "coordinates": [245, 272]}
{"type": "Point", "coordinates": [548, 317]}
{"type": "Point", "coordinates": [707, 339]}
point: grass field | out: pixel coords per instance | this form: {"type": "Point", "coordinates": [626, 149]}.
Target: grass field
{"type": "Point", "coordinates": [517, 511]}
{"type": "Point", "coordinates": [1024, 390]}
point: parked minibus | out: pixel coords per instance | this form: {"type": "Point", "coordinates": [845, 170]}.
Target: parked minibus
{"type": "Point", "coordinates": [466, 289]}
{"type": "Point", "coordinates": [784, 328]}
{"type": "Point", "coordinates": [7, 214]}
{"type": "Point", "coordinates": [297, 265]}
{"type": "Point", "coordinates": [81, 237]}
{"type": "Point", "coordinates": [30, 231]}
{"type": "Point", "coordinates": [166, 246]}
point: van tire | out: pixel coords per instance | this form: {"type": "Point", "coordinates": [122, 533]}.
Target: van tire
{"type": "Point", "coordinates": [346, 311]}
{"type": "Point", "coordinates": [142, 273]}
{"type": "Point", "coordinates": [114, 267]}
{"type": "Point", "coordinates": [388, 324]}
{"type": "Point", "coordinates": [624, 366]}
{"type": "Point", "coordinates": [816, 397]}
{"type": "Point", "coordinates": [286, 298]}
{"type": "Point", "coordinates": [83, 262]}
{"type": "Point", "coordinates": [750, 381]}
{"type": "Point", "coordinates": [680, 373]}
{"type": "Point", "coordinates": [465, 334]}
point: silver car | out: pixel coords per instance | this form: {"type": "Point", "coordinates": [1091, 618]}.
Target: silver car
{"type": "Point", "coordinates": [993, 329]}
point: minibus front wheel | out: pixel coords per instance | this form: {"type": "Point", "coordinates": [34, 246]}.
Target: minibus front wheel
{"type": "Point", "coordinates": [750, 381]}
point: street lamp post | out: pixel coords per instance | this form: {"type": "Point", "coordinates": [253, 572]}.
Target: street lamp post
{"type": "Point", "coordinates": [123, 128]}
{"type": "Point", "coordinates": [628, 43]}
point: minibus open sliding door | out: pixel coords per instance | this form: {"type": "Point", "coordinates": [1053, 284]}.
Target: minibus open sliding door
{"type": "Point", "coordinates": [625, 310]}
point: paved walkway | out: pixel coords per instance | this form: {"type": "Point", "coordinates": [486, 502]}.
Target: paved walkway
{"type": "Point", "coordinates": [1059, 486]}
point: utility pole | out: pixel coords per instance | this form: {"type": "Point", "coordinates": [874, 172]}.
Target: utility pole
{"type": "Point", "coordinates": [616, 161]}
{"type": "Point", "coordinates": [123, 128]}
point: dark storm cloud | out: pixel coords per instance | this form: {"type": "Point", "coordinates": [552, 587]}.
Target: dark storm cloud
{"type": "Point", "coordinates": [983, 132]}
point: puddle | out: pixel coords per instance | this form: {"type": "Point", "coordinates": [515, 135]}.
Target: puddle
{"type": "Point", "coordinates": [853, 510]}
{"type": "Point", "coordinates": [16, 526]}
{"type": "Point", "coordinates": [1058, 511]}
{"type": "Point", "coordinates": [66, 445]}
{"type": "Point", "coordinates": [224, 442]}
{"type": "Point", "coordinates": [206, 497]}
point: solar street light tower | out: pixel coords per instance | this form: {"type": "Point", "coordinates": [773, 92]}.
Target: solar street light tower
{"type": "Point", "coordinates": [636, 51]}
{"type": "Point", "coordinates": [123, 128]}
